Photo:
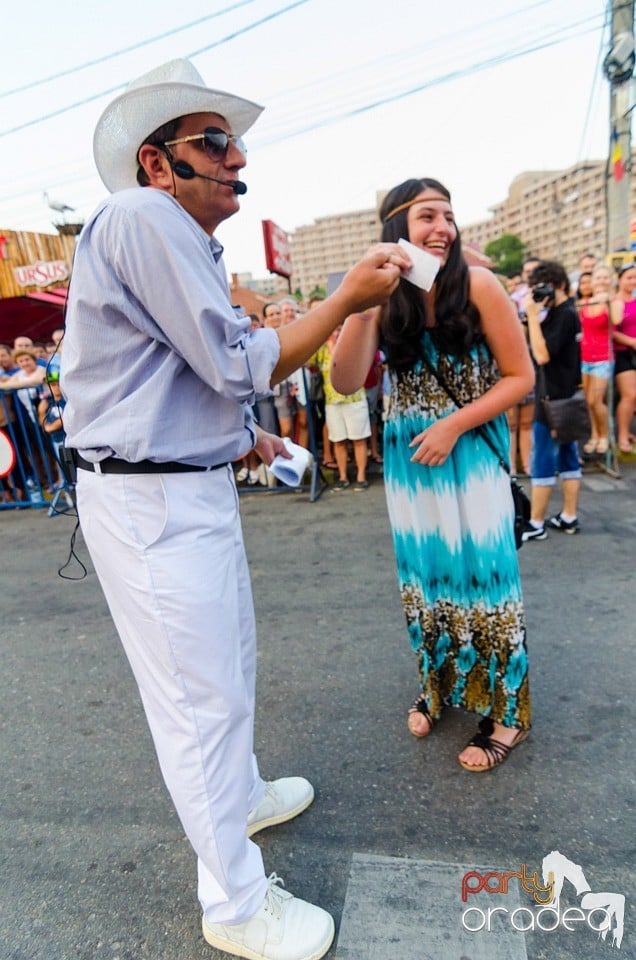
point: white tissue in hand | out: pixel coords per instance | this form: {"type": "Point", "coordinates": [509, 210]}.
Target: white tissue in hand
{"type": "Point", "coordinates": [291, 471]}
{"type": "Point", "coordinates": [425, 266]}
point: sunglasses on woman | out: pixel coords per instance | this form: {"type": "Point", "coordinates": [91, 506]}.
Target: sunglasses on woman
{"type": "Point", "coordinates": [215, 142]}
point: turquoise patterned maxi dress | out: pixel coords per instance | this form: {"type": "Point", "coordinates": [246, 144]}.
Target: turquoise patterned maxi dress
{"type": "Point", "coordinates": [454, 543]}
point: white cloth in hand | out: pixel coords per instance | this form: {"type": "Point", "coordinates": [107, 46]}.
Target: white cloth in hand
{"type": "Point", "coordinates": [291, 471]}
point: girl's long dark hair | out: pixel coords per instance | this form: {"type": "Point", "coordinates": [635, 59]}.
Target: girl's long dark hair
{"type": "Point", "coordinates": [403, 318]}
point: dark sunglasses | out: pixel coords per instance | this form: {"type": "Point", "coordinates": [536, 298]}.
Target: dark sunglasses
{"type": "Point", "coordinates": [215, 142]}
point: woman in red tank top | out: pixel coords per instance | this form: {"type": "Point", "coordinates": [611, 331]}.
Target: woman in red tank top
{"type": "Point", "coordinates": [597, 356]}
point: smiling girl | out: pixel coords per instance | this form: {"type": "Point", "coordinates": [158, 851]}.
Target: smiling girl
{"type": "Point", "coordinates": [448, 495]}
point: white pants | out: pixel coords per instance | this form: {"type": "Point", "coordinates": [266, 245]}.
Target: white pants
{"type": "Point", "coordinates": [168, 551]}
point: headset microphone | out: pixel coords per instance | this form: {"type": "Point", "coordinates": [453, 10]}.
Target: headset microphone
{"type": "Point", "coordinates": [185, 171]}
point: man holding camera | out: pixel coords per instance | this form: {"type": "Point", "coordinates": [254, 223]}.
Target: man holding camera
{"type": "Point", "coordinates": [554, 332]}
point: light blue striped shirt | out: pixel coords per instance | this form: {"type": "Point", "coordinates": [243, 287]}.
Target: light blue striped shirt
{"type": "Point", "coordinates": [157, 363]}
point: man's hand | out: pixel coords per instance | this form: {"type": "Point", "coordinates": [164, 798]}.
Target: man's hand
{"type": "Point", "coordinates": [369, 283]}
{"type": "Point", "coordinates": [375, 277]}
{"type": "Point", "coordinates": [268, 445]}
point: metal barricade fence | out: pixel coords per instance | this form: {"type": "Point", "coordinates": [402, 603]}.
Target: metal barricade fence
{"type": "Point", "coordinates": [317, 482]}
{"type": "Point", "coordinates": [36, 479]}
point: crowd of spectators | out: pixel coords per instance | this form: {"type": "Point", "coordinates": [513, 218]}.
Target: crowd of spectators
{"type": "Point", "coordinates": [31, 406]}
{"type": "Point", "coordinates": [346, 431]}
{"type": "Point", "coordinates": [583, 332]}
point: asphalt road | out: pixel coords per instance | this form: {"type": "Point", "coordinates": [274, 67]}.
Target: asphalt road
{"type": "Point", "coordinates": [94, 862]}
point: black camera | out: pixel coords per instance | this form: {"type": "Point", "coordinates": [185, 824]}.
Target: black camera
{"type": "Point", "coordinates": [543, 291]}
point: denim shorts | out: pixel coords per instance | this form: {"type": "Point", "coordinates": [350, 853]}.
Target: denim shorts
{"type": "Point", "coordinates": [603, 369]}
{"type": "Point", "coordinates": [549, 457]}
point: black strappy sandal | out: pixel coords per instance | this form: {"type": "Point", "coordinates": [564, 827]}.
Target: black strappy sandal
{"type": "Point", "coordinates": [496, 751]}
{"type": "Point", "coordinates": [419, 706]}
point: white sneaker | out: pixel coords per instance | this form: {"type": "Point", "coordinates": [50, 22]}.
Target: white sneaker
{"type": "Point", "coordinates": [252, 477]}
{"type": "Point", "coordinates": [284, 799]}
{"type": "Point", "coordinates": [283, 928]}
{"type": "Point", "coordinates": [262, 475]}
{"type": "Point", "coordinates": [242, 475]}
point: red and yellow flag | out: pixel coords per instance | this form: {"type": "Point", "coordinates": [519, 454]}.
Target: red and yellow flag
{"type": "Point", "coordinates": [618, 165]}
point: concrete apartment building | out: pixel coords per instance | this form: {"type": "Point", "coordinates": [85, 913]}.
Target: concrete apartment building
{"type": "Point", "coordinates": [331, 244]}
{"type": "Point", "coordinates": [558, 214]}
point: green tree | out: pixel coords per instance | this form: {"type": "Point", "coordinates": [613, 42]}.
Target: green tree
{"type": "Point", "coordinates": [507, 253]}
{"type": "Point", "coordinates": [318, 291]}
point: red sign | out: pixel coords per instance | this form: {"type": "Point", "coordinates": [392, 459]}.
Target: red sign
{"type": "Point", "coordinates": [41, 274]}
{"type": "Point", "coordinates": [277, 250]}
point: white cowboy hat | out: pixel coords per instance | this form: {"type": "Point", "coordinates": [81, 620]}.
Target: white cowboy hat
{"type": "Point", "coordinates": [172, 90]}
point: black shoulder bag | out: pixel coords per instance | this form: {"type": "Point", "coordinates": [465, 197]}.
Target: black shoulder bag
{"type": "Point", "coordinates": [568, 418]}
{"type": "Point", "coordinates": [519, 496]}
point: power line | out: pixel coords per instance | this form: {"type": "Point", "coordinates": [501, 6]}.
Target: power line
{"type": "Point", "coordinates": [539, 44]}
{"type": "Point", "coordinates": [120, 86]}
{"type": "Point", "coordinates": [346, 92]}
{"type": "Point", "coordinates": [120, 53]}
{"type": "Point", "coordinates": [418, 49]}
{"type": "Point", "coordinates": [379, 64]}
{"type": "Point", "coordinates": [596, 77]}
{"type": "Point", "coordinates": [435, 81]}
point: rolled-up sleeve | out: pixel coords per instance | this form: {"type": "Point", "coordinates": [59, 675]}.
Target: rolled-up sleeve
{"type": "Point", "coordinates": [263, 350]}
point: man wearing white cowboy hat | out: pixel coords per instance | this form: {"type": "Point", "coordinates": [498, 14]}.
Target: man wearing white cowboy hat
{"type": "Point", "coordinates": [160, 371]}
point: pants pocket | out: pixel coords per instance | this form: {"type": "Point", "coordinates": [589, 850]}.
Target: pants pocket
{"type": "Point", "coordinates": [147, 506]}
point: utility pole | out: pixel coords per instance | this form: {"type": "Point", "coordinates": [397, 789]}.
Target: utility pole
{"type": "Point", "coordinates": [618, 68]}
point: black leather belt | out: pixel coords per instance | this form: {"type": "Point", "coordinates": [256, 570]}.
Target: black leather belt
{"type": "Point", "coordinates": [114, 465]}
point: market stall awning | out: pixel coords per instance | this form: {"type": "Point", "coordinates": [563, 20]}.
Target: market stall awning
{"type": "Point", "coordinates": [35, 315]}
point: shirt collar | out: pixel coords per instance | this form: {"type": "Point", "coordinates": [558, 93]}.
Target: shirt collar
{"type": "Point", "coordinates": [216, 248]}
